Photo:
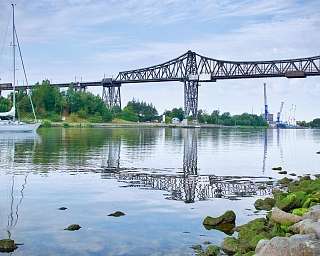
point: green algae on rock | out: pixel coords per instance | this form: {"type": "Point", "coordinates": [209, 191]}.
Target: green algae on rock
{"type": "Point", "coordinates": [291, 201]}
{"type": "Point", "coordinates": [264, 204]}
{"type": "Point", "coordinates": [228, 217]}
{"type": "Point", "coordinates": [117, 214]}
{"type": "Point", "coordinates": [73, 227]}
{"type": "Point", "coordinates": [230, 245]}
{"type": "Point", "coordinates": [7, 245]}
{"type": "Point", "coordinates": [212, 250]}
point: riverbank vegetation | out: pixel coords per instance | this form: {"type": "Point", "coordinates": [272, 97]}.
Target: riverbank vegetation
{"type": "Point", "coordinates": [74, 106]}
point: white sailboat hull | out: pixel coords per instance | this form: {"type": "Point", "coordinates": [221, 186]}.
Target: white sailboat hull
{"type": "Point", "coordinates": [18, 127]}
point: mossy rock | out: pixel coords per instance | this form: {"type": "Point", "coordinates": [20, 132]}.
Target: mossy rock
{"type": "Point", "coordinates": [117, 214]}
{"type": "Point", "coordinates": [251, 233]}
{"type": "Point", "coordinates": [73, 227]}
{"type": "Point", "coordinates": [212, 250]}
{"type": "Point", "coordinates": [291, 201]}
{"type": "Point", "coordinates": [229, 217]}
{"type": "Point", "coordinates": [305, 177]}
{"type": "Point", "coordinates": [285, 181]}
{"type": "Point", "coordinates": [198, 251]}
{"type": "Point", "coordinates": [230, 245]}
{"type": "Point", "coordinates": [300, 211]}
{"type": "Point", "coordinates": [7, 245]}
{"type": "Point", "coordinates": [308, 186]}
{"type": "Point", "coordinates": [264, 204]}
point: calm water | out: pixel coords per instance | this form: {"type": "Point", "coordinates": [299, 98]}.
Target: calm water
{"type": "Point", "coordinates": [165, 180]}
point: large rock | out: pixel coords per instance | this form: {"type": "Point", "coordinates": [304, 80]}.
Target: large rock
{"type": "Point", "coordinates": [296, 245]}
{"type": "Point", "coordinates": [230, 245]}
{"type": "Point", "coordinates": [229, 217]}
{"type": "Point", "coordinates": [283, 217]}
{"type": "Point", "coordinates": [314, 213]}
{"type": "Point", "coordinates": [7, 245]}
{"type": "Point", "coordinates": [251, 233]}
{"type": "Point", "coordinates": [307, 226]}
{"type": "Point", "coordinates": [290, 201]}
{"type": "Point", "coordinates": [212, 250]}
{"type": "Point", "coordinates": [306, 185]}
{"type": "Point", "coordinates": [264, 204]}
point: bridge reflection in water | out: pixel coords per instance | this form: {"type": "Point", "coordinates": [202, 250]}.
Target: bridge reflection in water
{"type": "Point", "coordinates": [189, 185]}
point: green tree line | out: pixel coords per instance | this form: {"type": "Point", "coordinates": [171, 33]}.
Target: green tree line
{"type": "Point", "coordinates": [52, 104]}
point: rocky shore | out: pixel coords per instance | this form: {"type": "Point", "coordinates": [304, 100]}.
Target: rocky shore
{"type": "Point", "coordinates": [291, 226]}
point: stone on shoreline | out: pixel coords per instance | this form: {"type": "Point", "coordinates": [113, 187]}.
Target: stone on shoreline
{"type": "Point", "coordinates": [227, 217]}
{"type": "Point", "coordinates": [62, 208]}
{"type": "Point", "coordinates": [212, 250]}
{"type": "Point", "coordinates": [283, 217]}
{"type": "Point", "coordinates": [307, 226]}
{"type": "Point", "coordinates": [230, 245]}
{"type": "Point", "coordinates": [285, 181]}
{"type": "Point", "coordinates": [264, 204]}
{"type": "Point", "coordinates": [283, 172]}
{"type": "Point", "coordinates": [295, 245]}
{"type": "Point", "coordinates": [249, 234]}
{"type": "Point", "coordinates": [117, 214]}
{"type": "Point", "coordinates": [314, 213]}
{"type": "Point", "coordinates": [279, 168]}
{"type": "Point", "coordinates": [73, 227]}
{"type": "Point", "coordinates": [287, 202]}
{"type": "Point", "coordinates": [7, 245]}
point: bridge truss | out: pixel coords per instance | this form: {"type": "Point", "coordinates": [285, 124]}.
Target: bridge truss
{"type": "Point", "coordinates": [192, 69]}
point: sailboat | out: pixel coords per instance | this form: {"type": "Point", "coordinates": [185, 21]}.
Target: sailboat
{"type": "Point", "coordinates": [13, 125]}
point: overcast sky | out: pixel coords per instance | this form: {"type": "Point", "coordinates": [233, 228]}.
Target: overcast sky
{"type": "Point", "coordinates": [62, 39]}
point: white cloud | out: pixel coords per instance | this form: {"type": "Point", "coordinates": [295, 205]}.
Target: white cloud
{"type": "Point", "coordinates": [91, 38]}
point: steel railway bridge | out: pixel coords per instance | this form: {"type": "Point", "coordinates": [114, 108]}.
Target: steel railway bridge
{"type": "Point", "coordinates": [191, 69]}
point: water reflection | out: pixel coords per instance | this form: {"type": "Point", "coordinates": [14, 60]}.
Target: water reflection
{"type": "Point", "coordinates": [188, 186]}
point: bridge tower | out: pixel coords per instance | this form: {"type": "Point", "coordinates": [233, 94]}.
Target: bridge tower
{"type": "Point", "coordinates": [111, 93]}
{"type": "Point", "coordinates": [191, 85]}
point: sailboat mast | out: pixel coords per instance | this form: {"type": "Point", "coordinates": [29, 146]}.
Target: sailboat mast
{"type": "Point", "coordinates": [14, 62]}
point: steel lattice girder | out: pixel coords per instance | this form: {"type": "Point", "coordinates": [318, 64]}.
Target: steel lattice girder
{"type": "Point", "coordinates": [209, 69]}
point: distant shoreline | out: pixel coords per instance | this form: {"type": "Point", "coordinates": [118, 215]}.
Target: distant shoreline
{"type": "Point", "coordinates": [145, 125]}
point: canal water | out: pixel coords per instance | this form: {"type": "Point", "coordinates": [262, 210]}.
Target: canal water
{"type": "Point", "coordinates": [165, 181]}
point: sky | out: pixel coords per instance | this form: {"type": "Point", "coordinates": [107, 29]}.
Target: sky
{"type": "Point", "coordinates": [91, 39]}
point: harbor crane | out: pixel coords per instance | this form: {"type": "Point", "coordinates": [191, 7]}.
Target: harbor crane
{"type": "Point", "coordinates": [279, 113]}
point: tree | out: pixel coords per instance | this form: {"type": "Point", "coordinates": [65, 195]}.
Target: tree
{"type": "Point", "coordinates": [5, 104]}
{"type": "Point", "coordinates": [175, 113]}
{"type": "Point", "coordinates": [315, 123]}
{"type": "Point", "coordinates": [139, 111]}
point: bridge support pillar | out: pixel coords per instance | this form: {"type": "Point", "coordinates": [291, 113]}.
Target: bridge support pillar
{"type": "Point", "coordinates": [191, 85]}
{"type": "Point", "coordinates": [191, 98]}
{"type": "Point", "coordinates": [111, 95]}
